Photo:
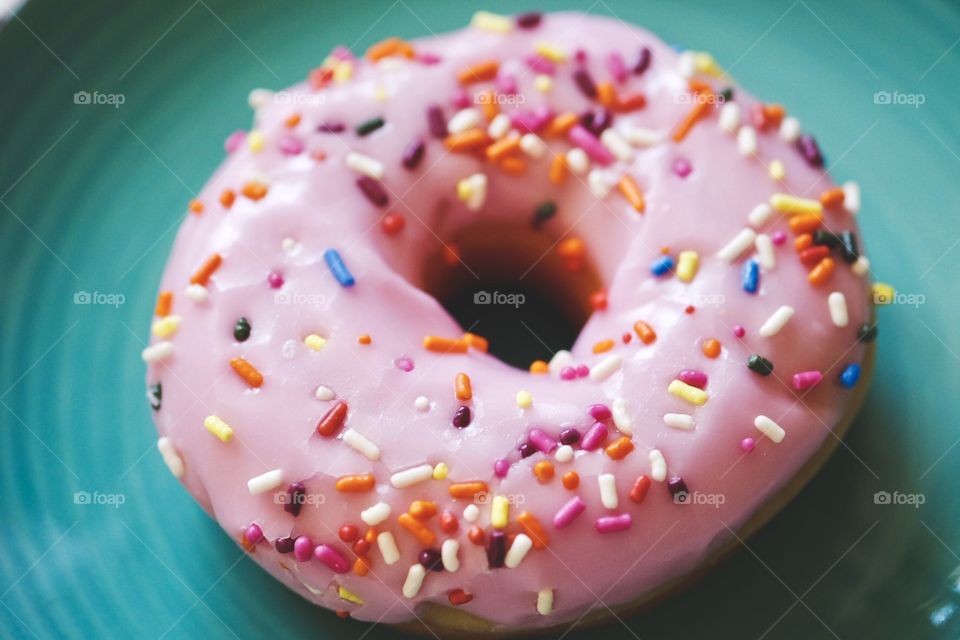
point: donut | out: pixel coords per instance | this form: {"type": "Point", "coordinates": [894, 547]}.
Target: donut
{"type": "Point", "coordinates": [313, 394]}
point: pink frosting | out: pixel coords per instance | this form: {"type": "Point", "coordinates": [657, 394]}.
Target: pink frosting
{"type": "Point", "coordinates": [313, 198]}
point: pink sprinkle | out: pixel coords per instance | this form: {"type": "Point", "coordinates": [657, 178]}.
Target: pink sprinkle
{"type": "Point", "coordinates": [568, 512]}
{"type": "Point", "coordinates": [275, 279]}
{"type": "Point", "coordinates": [460, 99]}
{"type": "Point", "coordinates": [404, 363]}
{"type": "Point", "coordinates": [600, 412]}
{"type": "Point", "coordinates": [290, 145]}
{"type": "Point", "coordinates": [501, 467]}
{"type": "Point", "coordinates": [693, 378]}
{"type": "Point", "coordinates": [806, 379]}
{"type": "Point", "coordinates": [568, 373]}
{"type": "Point", "coordinates": [340, 52]}
{"type": "Point", "coordinates": [332, 558]}
{"type": "Point", "coordinates": [747, 445]}
{"type": "Point", "coordinates": [539, 64]}
{"type": "Point", "coordinates": [682, 167]}
{"type": "Point", "coordinates": [429, 58]}
{"type": "Point", "coordinates": [507, 83]}
{"type": "Point", "coordinates": [253, 534]}
{"type": "Point", "coordinates": [739, 331]}
{"type": "Point", "coordinates": [580, 56]}
{"type": "Point", "coordinates": [583, 371]}
{"type": "Point", "coordinates": [582, 138]}
{"type": "Point", "coordinates": [779, 237]}
{"type": "Point", "coordinates": [234, 141]}
{"type": "Point", "coordinates": [541, 440]}
{"type": "Point", "coordinates": [617, 67]}
{"type": "Point", "coordinates": [532, 121]}
{"type": "Point", "coordinates": [612, 524]}
{"type": "Point", "coordinates": [303, 549]}
{"type": "Point", "coordinates": [594, 437]}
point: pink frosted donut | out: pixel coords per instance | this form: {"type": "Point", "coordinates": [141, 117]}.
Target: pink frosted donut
{"type": "Point", "coordinates": [370, 453]}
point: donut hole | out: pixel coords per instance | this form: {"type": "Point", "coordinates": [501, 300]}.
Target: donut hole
{"type": "Point", "coordinates": [512, 285]}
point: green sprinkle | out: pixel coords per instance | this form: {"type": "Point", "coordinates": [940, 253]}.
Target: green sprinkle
{"type": "Point", "coordinates": [543, 212]}
{"type": "Point", "coordinates": [369, 126]}
{"type": "Point", "coordinates": [241, 330]}
{"type": "Point", "coordinates": [759, 364]}
{"type": "Point", "coordinates": [867, 332]}
{"type": "Point", "coordinates": [727, 94]}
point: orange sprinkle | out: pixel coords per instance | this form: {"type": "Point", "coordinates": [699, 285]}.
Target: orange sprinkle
{"type": "Point", "coordinates": [560, 126]}
{"type": "Point", "coordinates": [361, 566]}
{"type": "Point", "coordinates": [480, 72]}
{"type": "Point", "coordinates": [804, 223]}
{"type": "Point", "coordinates": [513, 166]}
{"type": "Point", "coordinates": [448, 522]}
{"type": "Point", "coordinates": [202, 275]}
{"type": "Point", "coordinates": [247, 371]}
{"type": "Point", "coordinates": [603, 346]}
{"type": "Point", "coordinates": [632, 102]}
{"type": "Point", "coordinates": [467, 489]}
{"type": "Point", "coordinates": [468, 140]}
{"type": "Point", "coordinates": [619, 448]}
{"type": "Point", "coordinates": [196, 206]}
{"type": "Point", "coordinates": [571, 480]}
{"type": "Point", "coordinates": [462, 388]}
{"type": "Point", "coordinates": [451, 255]}
{"type": "Point", "coordinates": [803, 242]}
{"type": "Point", "coordinates": [444, 345]}
{"type": "Point", "coordinates": [820, 273]}
{"type": "Point", "coordinates": [832, 198]}
{"type": "Point", "coordinates": [699, 110]}
{"type": "Point", "coordinates": [773, 114]}
{"type": "Point", "coordinates": [644, 331]}
{"type": "Point", "coordinates": [711, 347]}
{"type": "Point", "coordinates": [558, 170]}
{"type": "Point", "coordinates": [364, 339]}
{"type": "Point", "coordinates": [539, 366]}
{"type": "Point", "coordinates": [458, 597]}
{"type": "Point", "coordinates": [292, 121]}
{"type": "Point", "coordinates": [254, 190]}
{"type": "Point", "coordinates": [606, 94]}
{"type": "Point", "coordinates": [534, 530]}
{"type": "Point", "coordinates": [503, 147]}
{"type": "Point", "coordinates": [390, 47]}
{"type": "Point", "coordinates": [543, 470]}
{"type": "Point", "coordinates": [227, 198]}
{"type": "Point", "coordinates": [572, 248]}
{"type": "Point", "coordinates": [356, 483]}
{"type": "Point", "coordinates": [488, 105]}
{"type": "Point", "coordinates": [476, 535]}
{"type": "Point", "coordinates": [417, 528]}
{"type": "Point", "coordinates": [164, 303]}
{"type": "Point", "coordinates": [477, 342]}
{"type": "Point", "coordinates": [631, 191]}
{"type": "Point", "coordinates": [370, 535]}
{"type": "Point", "coordinates": [422, 509]}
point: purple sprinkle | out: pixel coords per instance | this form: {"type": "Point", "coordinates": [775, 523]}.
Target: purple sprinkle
{"type": "Point", "coordinates": [460, 99]}
{"type": "Point", "coordinates": [597, 120]}
{"type": "Point", "coordinates": [253, 534]}
{"type": "Point", "coordinates": [526, 450]}
{"type": "Point", "coordinates": [583, 371]}
{"type": "Point", "coordinates": [585, 83]}
{"type": "Point", "coordinates": [529, 20]}
{"type": "Point", "coordinates": [594, 437]}
{"type": "Point", "coordinates": [643, 62]}
{"type": "Point", "coordinates": [580, 56]}
{"type": "Point", "coordinates": [569, 436]}
{"type": "Point", "coordinates": [617, 67]}
{"type": "Point", "coordinates": [613, 524]}
{"type": "Point", "coordinates": [747, 445]}
{"type": "Point", "coordinates": [342, 53]}
{"type": "Point", "coordinates": [600, 412]}
{"type": "Point", "coordinates": [693, 378]}
{"type": "Point", "coordinates": [275, 279]}
{"type": "Point", "coordinates": [404, 363]}
{"type": "Point", "coordinates": [431, 560]}
{"type": "Point", "coordinates": [291, 145]}
{"type": "Point", "coordinates": [502, 466]}
{"type": "Point", "coordinates": [331, 127]}
{"type": "Point", "coordinates": [678, 489]}
{"type": "Point", "coordinates": [779, 237]}
{"type": "Point", "coordinates": [568, 512]}
{"type": "Point", "coordinates": [436, 122]}
{"type": "Point", "coordinates": [429, 58]}
{"type": "Point", "coordinates": [303, 549]}
{"type": "Point", "coordinates": [332, 558]}
{"type": "Point", "coordinates": [810, 150]}
{"type": "Point", "coordinates": [462, 417]}
{"type": "Point", "coordinates": [413, 154]}
{"type": "Point", "coordinates": [582, 138]}
{"type": "Point", "coordinates": [296, 494]}
{"type": "Point", "coordinates": [497, 551]}
{"type": "Point", "coordinates": [568, 373]}
{"type": "Point", "coordinates": [234, 141]}
{"type": "Point", "coordinates": [283, 545]}
{"type": "Point", "coordinates": [372, 189]}
{"type": "Point", "coordinates": [682, 167]}
{"type": "Point", "coordinates": [541, 65]}
{"type": "Point", "coordinates": [541, 440]}
{"type": "Point", "coordinates": [739, 331]}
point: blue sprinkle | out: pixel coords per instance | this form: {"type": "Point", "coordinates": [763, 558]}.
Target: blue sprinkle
{"type": "Point", "coordinates": [338, 269]}
{"type": "Point", "coordinates": [662, 266]}
{"type": "Point", "coordinates": [750, 276]}
{"type": "Point", "coordinates": [850, 375]}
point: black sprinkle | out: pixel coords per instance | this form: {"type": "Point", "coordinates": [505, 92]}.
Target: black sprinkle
{"type": "Point", "coordinates": [462, 417]}
{"type": "Point", "coordinates": [431, 560]}
{"type": "Point", "coordinates": [867, 332]}
{"type": "Point", "coordinates": [527, 449]}
{"type": "Point", "coordinates": [759, 364]}
{"type": "Point", "coordinates": [497, 551]}
{"type": "Point", "coordinates": [155, 393]}
{"type": "Point", "coordinates": [823, 237]}
{"type": "Point", "coordinates": [810, 150]}
{"type": "Point", "coordinates": [727, 94]}
{"type": "Point", "coordinates": [543, 212]}
{"type": "Point", "coordinates": [241, 330]}
{"type": "Point", "coordinates": [678, 489]}
{"type": "Point", "coordinates": [848, 244]}
{"type": "Point", "coordinates": [529, 20]}
{"type": "Point", "coordinates": [369, 126]}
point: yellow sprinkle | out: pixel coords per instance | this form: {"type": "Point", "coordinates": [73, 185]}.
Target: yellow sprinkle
{"type": "Point", "coordinates": [166, 327]}
{"type": "Point", "coordinates": [465, 189]}
{"type": "Point", "coordinates": [499, 512]}
{"type": "Point", "coordinates": [255, 141]}
{"type": "Point", "coordinates": [687, 264]}
{"type": "Point", "coordinates": [543, 83]}
{"type": "Point", "coordinates": [380, 94]}
{"type": "Point", "coordinates": [792, 205]}
{"type": "Point", "coordinates": [705, 63]}
{"type": "Point", "coordinates": [551, 52]}
{"type": "Point", "coordinates": [524, 399]}
{"type": "Point", "coordinates": [218, 427]}
{"type": "Point", "coordinates": [883, 293]}
{"type": "Point", "coordinates": [689, 393]}
{"type": "Point", "coordinates": [491, 22]}
{"type": "Point", "coordinates": [440, 471]}
{"type": "Point", "coordinates": [342, 71]}
{"type": "Point", "coordinates": [349, 596]}
{"type": "Point", "coordinates": [777, 170]}
{"type": "Point", "coordinates": [314, 341]}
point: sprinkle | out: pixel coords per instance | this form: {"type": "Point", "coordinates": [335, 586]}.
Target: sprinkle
{"type": "Point", "coordinates": [790, 129]}
{"type": "Point", "coordinates": [467, 489]}
{"type": "Point", "coordinates": [440, 471]}
{"type": "Point", "coordinates": [241, 330]}
{"type": "Point", "coordinates": [376, 514]}
{"type": "Point", "coordinates": [472, 190]}
{"type": "Point", "coordinates": [850, 375]}
{"type": "Point", "coordinates": [613, 524]}
{"type": "Point", "coordinates": [355, 483]}
{"type": "Point", "coordinates": [347, 595]}
{"type": "Point", "coordinates": [462, 417]}
{"type": "Point", "coordinates": [765, 254]}
{"type": "Point", "coordinates": [247, 371]}
{"type": "Point", "coordinates": [639, 490]}
{"type": "Point", "coordinates": [838, 308]}
{"type": "Point", "coordinates": [499, 126]}
{"type": "Point", "coordinates": [303, 548]}
{"type": "Point", "coordinates": [157, 352]}
{"type": "Point", "coordinates": [421, 403]}
{"type": "Point", "coordinates": [606, 368]}
{"type": "Point", "coordinates": [687, 264]}
{"type": "Point", "coordinates": [631, 191]}
{"type": "Point", "coordinates": [155, 396]}
{"type": "Point", "coordinates": [265, 482]}
{"type": "Point", "coordinates": [810, 150]}
{"type": "Point", "coordinates": [658, 465]}
{"type": "Point", "coordinates": [822, 272]}
{"type": "Point", "coordinates": [594, 437]}
{"type": "Point", "coordinates": [793, 205]}
{"type": "Point", "coordinates": [388, 547]}
{"type": "Point", "coordinates": [777, 321]}
{"type": "Point", "coordinates": [462, 388]}
{"type": "Point", "coordinates": [497, 550]}
{"type": "Point", "coordinates": [365, 165]}
{"type": "Point", "coordinates": [333, 419]}
{"type": "Point", "coordinates": [662, 266]}
{"type": "Point", "coordinates": [687, 392]}
{"type": "Point", "coordinates": [314, 342]}
{"type": "Point", "coordinates": [622, 419]}
{"type": "Point", "coordinates": [699, 111]}
{"type": "Point", "coordinates": [369, 126]}
{"type": "Point", "coordinates": [210, 265]}
{"type": "Point", "coordinates": [608, 490]}
{"type": "Point", "coordinates": [551, 52]}
{"type": "Point", "coordinates": [619, 448]}
{"type": "Point", "coordinates": [568, 512]}
{"type": "Point", "coordinates": [414, 581]}
{"type": "Point", "coordinates": [331, 127]}
{"type": "Point", "coordinates": [444, 345]}
{"type": "Point", "coordinates": [747, 141]}
{"type": "Point", "coordinates": [373, 191]}
{"type": "Point", "coordinates": [584, 82]}
{"type": "Point", "coordinates": [861, 267]}
{"type": "Point", "coordinates": [332, 558]}
{"type": "Point", "coordinates": [518, 551]}
{"type": "Point", "coordinates": [729, 118]}
{"type": "Point", "coordinates": [197, 293]}
{"type": "Point", "coordinates": [806, 379]}
{"type": "Point", "coordinates": [680, 421]}
{"type": "Point", "coordinates": [759, 364]}
{"type": "Point", "coordinates": [412, 476]}
{"type": "Point", "coordinates": [171, 458]}
{"type": "Point", "coordinates": [419, 530]}
{"type": "Point", "coordinates": [693, 377]}
{"type": "Point", "coordinates": [361, 444]}
{"type": "Point", "coordinates": [744, 239]}
{"type": "Point", "coordinates": [464, 120]}
{"type": "Point", "coordinates": [491, 22]}
{"type": "Point", "coordinates": [848, 246]}
{"type": "Point", "coordinates": [769, 428]}
{"type": "Point", "coordinates": [851, 197]}
{"type": "Point", "coordinates": [564, 453]}
{"type": "Point", "coordinates": [739, 331]}
{"type": "Point", "coordinates": [390, 47]}
{"type": "Point", "coordinates": [324, 393]}
{"type": "Point", "coordinates": [711, 348]}
{"type": "Point", "coordinates": [750, 278]}
{"type": "Point", "coordinates": [524, 399]}
{"type": "Point", "coordinates": [678, 489]}
{"type": "Point", "coordinates": [218, 427]}
{"type": "Point", "coordinates": [545, 601]}
{"type": "Point", "coordinates": [499, 512]}
{"type": "Point", "coordinates": [585, 140]}
{"type": "Point", "coordinates": [164, 303]}
{"type": "Point", "coordinates": [480, 72]}
{"type": "Point", "coordinates": [338, 268]}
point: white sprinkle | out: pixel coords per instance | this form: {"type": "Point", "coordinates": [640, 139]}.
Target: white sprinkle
{"type": "Point", "coordinates": [259, 98]}
{"type": "Point", "coordinates": [376, 514]}
{"type": "Point", "coordinates": [422, 403]}
{"type": "Point", "coordinates": [170, 457]}
{"type": "Point", "coordinates": [415, 576]}
{"type": "Point", "coordinates": [559, 360]}
{"type": "Point", "coordinates": [464, 119]}
{"type": "Point", "coordinates": [640, 137]}
{"type": "Point", "coordinates": [412, 476]}
{"type": "Point", "coordinates": [265, 482]}
{"type": "Point", "coordinates": [851, 197]}
{"type": "Point", "coordinates": [622, 419]}
{"type": "Point", "coordinates": [518, 551]}
{"type": "Point", "coordinates": [360, 442]}
{"type": "Point", "coordinates": [760, 214]}
{"type": "Point", "coordinates": [472, 190]}
{"type": "Point", "coordinates": [737, 245]}
{"type": "Point", "coordinates": [768, 259]}
{"type": "Point", "coordinates": [532, 145]}
{"type": "Point", "coordinates": [606, 368]}
{"type": "Point", "coordinates": [600, 185]}
{"type": "Point", "coordinates": [499, 126]}
{"type": "Point", "coordinates": [324, 393]}
{"type": "Point", "coordinates": [197, 293]}
{"type": "Point", "coordinates": [861, 267]}
{"type": "Point", "coordinates": [682, 421]}
{"type": "Point", "coordinates": [769, 428]}
{"type": "Point", "coordinates": [577, 160]}
{"type": "Point", "coordinates": [608, 490]}
{"type": "Point", "coordinates": [449, 551]}
{"type": "Point", "coordinates": [777, 321]}
{"type": "Point", "coordinates": [564, 453]}
{"type": "Point", "coordinates": [545, 601]}
{"type": "Point", "coordinates": [838, 309]}
{"type": "Point", "coordinates": [790, 129]}
{"type": "Point", "coordinates": [747, 141]}
{"type": "Point", "coordinates": [365, 165]}
{"type": "Point", "coordinates": [617, 145]}
{"type": "Point", "coordinates": [729, 117]}
{"type": "Point", "coordinates": [687, 64]}
{"type": "Point", "coordinates": [471, 513]}
{"type": "Point", "coordinates": [287, 245]}
{"type": "Point", "coordinates": [658, 465]}
{"type": "Point", "coordinates": [388, 547]}
{"type": "Point", "coordinates": [157, 352]}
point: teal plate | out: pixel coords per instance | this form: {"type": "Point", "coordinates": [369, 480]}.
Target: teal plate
{"type": "Point", "coordinates": [100, 541]}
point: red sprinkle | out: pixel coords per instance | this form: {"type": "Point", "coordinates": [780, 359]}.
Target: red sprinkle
{"type": "Point", "coordinates": [640, 488]}
{"type": "Point", "coordinates": [332, 419]}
